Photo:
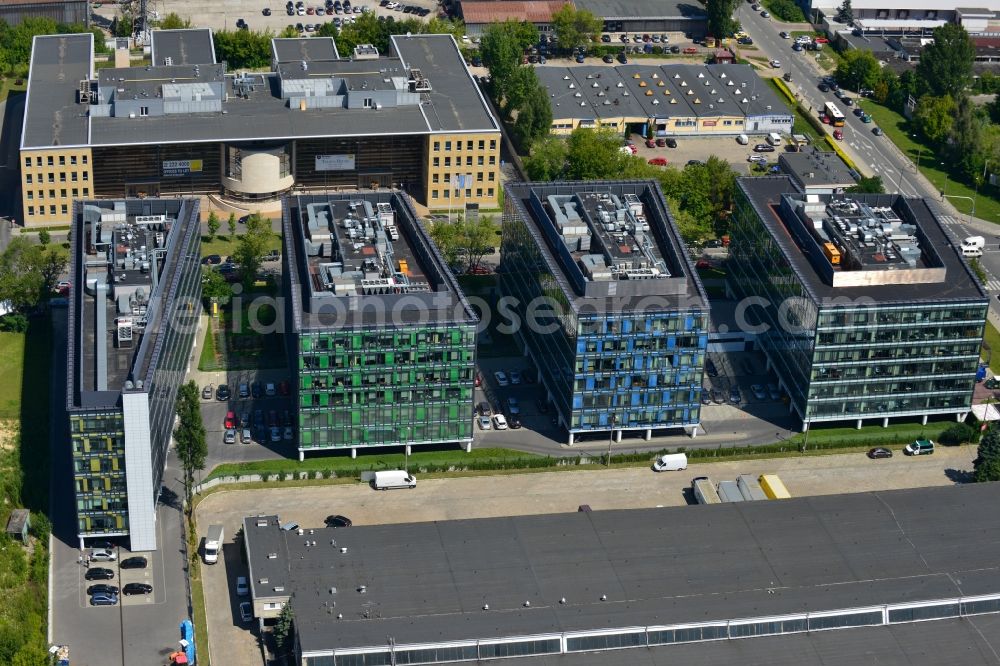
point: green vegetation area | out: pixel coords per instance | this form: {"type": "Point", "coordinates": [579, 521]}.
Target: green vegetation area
{"type": "Point", "coordinates": [231, 343]}
{"type": "Point", "coordinates": [801, 124]}
{"type": "Point", "coordinates": [24, 482]}
{"type": "Point", "coordinates": [225, 246]}
{"type": "Point", "coordinates": [9, 86]}
{"type": "Point", "coordinates": [785, 10]}
{"type": "Point", "coordinates": [937, 168]}
{"type": "Point", "coordinates": [991, 347]}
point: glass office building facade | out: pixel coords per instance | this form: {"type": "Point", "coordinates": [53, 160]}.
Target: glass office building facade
{"type": "Point", "coordinates": [124, 379]}
{"type": "Point", "coordinates": [608, 363]}
{"type": "Point", "coordinates": [876, 352]}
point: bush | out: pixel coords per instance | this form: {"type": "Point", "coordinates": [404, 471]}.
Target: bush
{"type": "Point", "coordinates": [957, 434]}
{"type": "Point", "coordinates": [14, 323]}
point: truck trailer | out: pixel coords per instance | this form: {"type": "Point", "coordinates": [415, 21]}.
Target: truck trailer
{"type": "Point", "coordinates": [750, 489]}
{"type": "Point", "coordinates": [729, 491]}
{"type": "Point", "coordinates": [704, 491]}
{"type": "Point", "coordinates": [773, 487]}
{"type": "Point", "coordinates": [213, 543]}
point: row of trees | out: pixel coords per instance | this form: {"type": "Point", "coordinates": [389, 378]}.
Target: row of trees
{"type": "Point", "coordinates": [700, 195]}
{"type": "Point", "coordinates": [189, 436]}
{"type": "Point", "coordinates": [514, 86]}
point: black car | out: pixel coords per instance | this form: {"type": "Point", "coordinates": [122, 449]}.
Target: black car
{"type": "Point", "coordinates": [671, 143]}
{"type": "Point", "coordinates": [579, 57]}
{"type": "Point", "coordinates": [694, 163]}
{"type": "Point", "coordinates": [338, 521]}
{"type": "Point", "coordinates": [606, 39]}
{"type": "Point", "coordinates": [734, 395]}
{"type": "Point", "coordinates": [137, 588]}
{"type": "Point", "coordinates": [847, 101]}
{"type": "Point", "coordinates": [255, 390]}
{"type": "Point", "coordinates": [710, 368]}
{"type": "Point", "coordinates": [102, 588]}
{"type": "Point", "coordinates": [513, 422]}
{"type": "Point", "coordinates": [608, 59]}
{"type": "Point", "coordinates": [763, 148]}
{"type": "Point", "coordinates": [824, 88]}
{"type": "Point", "coordinates": [706, 397]}
{"type": "Point", "coordinates": [212, 260]}
{"type": "Point", "coordinates": [266, 11]}
{"type": "Point", "coordinates": [99, 573]}
{"type": "Point", "coordinates": [622, 59]}
{"type": "Point", "coordinates": [859, 112]}
{"type": "Point", "coordinates": [675, 49]}
{"type": "Point", "coordinates": [136, 562]}
{"type": "Point", "coordinates": [879, 452]}
{"type": "Point", "coordinates": [222, 393]}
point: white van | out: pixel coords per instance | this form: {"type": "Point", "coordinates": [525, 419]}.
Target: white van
{"type": "Point", "coordinates": [774, 139]}
{"type": "Point", "coordinates": [974, 243]}
{"type": "Point", "coordinates": [742, 139]}
{"type": "Point", "coordinates": [671, 462]}
{"type": "Point", "coordinates": [396, 478]}
{"type": "Point", "coordinates": [971, 252]}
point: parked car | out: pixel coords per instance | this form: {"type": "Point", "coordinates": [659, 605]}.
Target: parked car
{"type": "Point", "coordinates": [99, 573]}
{"type": "Point", "coordinates": [763, 148]}
{"type": "Point", "coordinates": [622, 58]}
{"type": "Point", "coordinates": [758, 392]}
{"type": "Point", "coordinates": [222, 393]}
{"type": "Point", "coordinates": [137, 562]}
{"type": "Point", "coordinates": [230, 421]}
{"type": "Point", "coordinates": [824, 88]}
{"type": "Point", "coordinates": [338, 521]}
{"type": "Point", "coordinates": [757, 159]}
{"type": "Point", "coordinates": [775, 64]}
{"type": "Point", "coordinates": [275, 434]}
{"type": "Point", "coordinates": [229, 437]}
{"type": "Point", "coordinates": [877, 131]}
{"type": "Point", "coordinates": [485, 423]}
{"type": "Point", "coordinates": [288, 433]}
{"type": "Point", "coordinates": [246, 436]}
{"type": "Point", "coordinates": [879, 452]}
{"type": "Point", "coordinates": [207, 392]}
{"type": "Point", "coordinates": [102, 588]}
{"type": "Point", "coordinates": [515, 377]}
{"type": "Point", "coordinates": [270, 389]}
{"type": "Point", "coordinates": [710, 368]}
{"type": "Point", "coordinates": [102, 555]}
{"type": "Point", "coordinates": [784, 35]}
{"type": "Point", "coordinates": [102, 599]}
{"type": "Point", "coordinates": [242, 588]}
{"type": "Point", "coordinates": [137, 588]}
{"type": "Point", "coordinates": [500, 421]}
{"type": "Point", "coordinates": [671, 143]}
{"type": "Point", "coordinates": [512, 406]}
{"type": "Point", "coordinates": [838, 134]}
{"type": "Point", "coordinates": [501, 378]}
{"type": "Point", "coordinates": [734, 395]}
{"type": "Point", "coordinates": [246, 612]}
{"type": "Point", "coordinates": [212, 260]}
{"type": "Point", "coordinates": [658, 161]}
{"type": "Point", "coordinates": [773, 392]}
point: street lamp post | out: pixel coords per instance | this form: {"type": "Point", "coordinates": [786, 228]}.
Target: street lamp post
{"type": "Point", "coordinates": [611, 436]}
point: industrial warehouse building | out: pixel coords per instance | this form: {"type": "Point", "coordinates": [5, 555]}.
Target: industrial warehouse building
{"type": "Point", "coordinates": [798, 579]}
{"type": "Point", "coordinates": [133, 314]}
{"type": "Point", "coordinates": [866, 308]}
{"type": "Point", "coordinates": [13, 12]}
{"type": "Point", "coordinates": [412, 120]}
{"type": "Point", "coordinates": [634, 16]}
{"type": "Point", "coordinates": [382, 337]}
{"type": "Point", "coordinates": [674, 100]}
{"type": "Point", "coordinates": [610, 308]}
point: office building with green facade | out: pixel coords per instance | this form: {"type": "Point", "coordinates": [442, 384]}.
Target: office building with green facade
{"type": "Point", "coordinates": [381, 337]}
{"type": "Point", "coordinates": [608, 305]}
{"type": "Point", "coordinates": [133, 313]}
{"type": "Point", "coordinates": [862, 303]}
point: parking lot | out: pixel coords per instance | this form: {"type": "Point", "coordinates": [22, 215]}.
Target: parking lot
{"type": "Point", "coordinates": [700, 148]}
{"type": "Point", "coordinates": [524, 494]}
{"type": "Point", "coordinates": [257, 412]}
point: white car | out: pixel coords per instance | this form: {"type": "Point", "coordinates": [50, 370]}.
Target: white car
{"type": "Point", "coordinates": [275, 435]}
{"type": "Point", "coordinates": [758, 159]}
{"type": "Point", "coordinates": [242, 588]}
{"type": "Point", "coordinates": [269, 390]}
{"type": "Point", "coordinates": [485, 423]}
{"type": "Point", "coordinates": [103, 555]}
{"type": "Point", "coordinates": [499, 422]}
{"type": "Point", "coordinates": [288, 434]}
{"type": "Point", "coordinates": [501, 378]}
{"type": "Point", "coordinates": [776, 64]}
{"type": "Point", "coordinates": [246, 437]}
{"type": "Point", "coordinates": [230, 436]}
{"type": "Point", "coordinates": [246, 612]}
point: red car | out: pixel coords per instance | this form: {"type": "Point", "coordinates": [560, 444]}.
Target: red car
{"type": "Point", "coordinates": [690, 50]}
{"type": "Point", "coordinates": [702, 263]}
{"type": "Point", "coordinates": [838, 135]}
{"type": "Point", "coordinates": [479, 270]}
{"type": "Point", "coordinates": [658, 161]}
{"type": "Point", "coordinates": [478, 380]}
{"type": "Point", "coordinates": [825, 119]}
{"type": "Point", "coordinates": [230, 420]}
{"type": "Point", "coordinates": [283, 387]}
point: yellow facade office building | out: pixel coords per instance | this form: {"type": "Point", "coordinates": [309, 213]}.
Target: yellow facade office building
{"type": "Point", "coordinates": [412, 119]}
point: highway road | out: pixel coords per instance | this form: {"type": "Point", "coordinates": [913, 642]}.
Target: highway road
{"type": "Point", "coordinates": [874, 155]}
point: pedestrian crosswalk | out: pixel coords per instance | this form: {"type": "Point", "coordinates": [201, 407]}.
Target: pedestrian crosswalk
{"type": "Point", "coordinates": [993, 285]}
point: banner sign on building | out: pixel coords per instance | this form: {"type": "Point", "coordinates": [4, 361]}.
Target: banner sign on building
{"type": "Point", "coordinates": [335, 163]}
{"type": "Point", "coordinates": [181, 167]}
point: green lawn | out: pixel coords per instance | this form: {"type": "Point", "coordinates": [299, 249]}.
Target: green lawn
{"type": "Point", "coordinates": [801, 124]}
{"type": "Point", "coordinates": [11, 367]}
{"type": "Point", "coordinates": [224, 246]}
{"type": "Point", "coordinates": [244, 348]}
{"type": "Point", "coordinates": [935, 168]}
{"type": "Point", "coordinates": [875, 434]}
{"type": "Point", "coordinates": [9, 86]}
{"type": "Point", "coordinates": [991, 347]}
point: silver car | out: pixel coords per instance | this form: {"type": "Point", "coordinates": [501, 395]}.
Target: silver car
{"type": "Point", "coordinates": [246, 437]}
{"type": "Point", "coordinates": [230, 436]}
{"type": "Point", "coordinates": [103, 555]}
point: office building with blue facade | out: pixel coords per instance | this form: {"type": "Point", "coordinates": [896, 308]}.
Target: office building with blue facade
{"type": "Point", "coordinates": [607, 304]}
{"type": "Point", "coordinates": [864, 306]}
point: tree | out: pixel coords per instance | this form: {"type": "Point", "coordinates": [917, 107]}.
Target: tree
{"type": "Point", "coordinates": [28, 273]}
{"type": "Point", "coordinates": [189, 436]}
{"type": "Point", "coordinates": [252, 246]}
{"type": "Point", "coordinates": [290, 32]}
{"type": "Point", "coordinates": [44, 237]}
{"type": "Point", "coordinates": [213, 225]}
{"type": "Point", "coordinates": [284, 629]}
{"type": "Point", "coordinates": [692, 229]}
{"type": "Point", "coordinates": [547, 160]}
{"type": "Point", "coordinates": [866, 185]}
{"type": "Point", "coordinates": [575, 27]}
{"type": "Point", "coordinates": [534, 115]}
{"type": "Point", "coordinates": [719, 181]}
{"type": "Point", "coordinates": [214, 285]}
{"type": "Point", "coordinates": [173, 21]}
{"type": "Point", "coordinates": [986, 466]}
{"type": "Point", "coordinates": [946, 64]}
{"type": "Point", "coordinates": [244, 49]}
{"type": "Point", "coordinates": [858, 69]}
{"type": "Point", "coordinates": [845, 13]}
{"type": "Point", "coordinates": [966, 139]}
{"type": "Point", "coordinates": [934, 116]}
{"type": "Point", "coordinates": [501, 48]}
{"type": "Point", "coordinates": [231, 223]}
{"type": "Point", "coordinates": [595, 155]}
{"type": "Point", "coordinates": [464, 242]}
{"type": "Point", "coordinates": [720, 17]}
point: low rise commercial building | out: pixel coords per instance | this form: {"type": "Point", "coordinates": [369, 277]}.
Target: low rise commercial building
{"type": "Point", "coordinates": [413, 119]}
{"type": "Point", "coordinates": [664, 100]}
{"type": "Point", "coordinates": [133, 314]}
{"type": "Point", "coordinates": [607, 304]}
{"type": "Point", "coordinates": [383, 340]}
{"type": "Point", "coordinates": [816, 172]}
{"type": "Point", "coordinates": [589, 588]}
{"type": "Point", "coordinates": [863, 306]}
{"type": "Point", "coordinates": [640, 16]}
{"type": "Point", "coordinates": [14, 12]}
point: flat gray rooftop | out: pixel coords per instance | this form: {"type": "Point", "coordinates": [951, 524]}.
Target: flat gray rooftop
{"type": "Point", "coordinates": [428, 582]}
{"type": "Point", "coordinates": [309, 49]}
{"type": "Point", "coordinates": [960, 284]}
{"type": "Point", "coordinates": [52, 116]}
{"type": "Point", "coordinates": [361, 259]}
{"type": "Point", "coordinates": [183, 47]}
{"type": "Point", "coordinates": [658, 91]}
{"type": "Point", "coordinates": [816, 168]}
{"type": "Point", "coordinates": [643, 9]}
{"type": "Point", "coordinates": [454, 103]}
{"type": "Point", "coordinates": [580, 246]}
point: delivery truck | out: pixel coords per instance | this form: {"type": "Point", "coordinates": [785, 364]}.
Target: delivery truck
{"type": "Point", "coordinates": [750, 489]}
{"type": "Point", "coordinates": [730, 492]}
{"type": "Point", "coordinates": [704, 491]}
{"type": "Point", "coordinates": [213, 543]}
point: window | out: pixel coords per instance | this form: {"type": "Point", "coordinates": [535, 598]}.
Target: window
{"type": "Point", "coordinates": [447, 145]}
{"type": "Point", "coordinates": [41, 194]}
{"type": "Point", "coordinates": [468, 192]}
{"type": "Point", "coordinates": [38, 160]}
{"type": "Point", "coordinates": [479, 176]}
{"type": "Point", "coordinates": [72, 159]}
{"type": "Point", "coordinates": [482, 144]}
{"type": "Point", "coordinates": [493, 144]}
{"type": "Point", "coordinates": [479, 191]}
{"type": "Point", "coordinates": [62, 193]}
{"type": "Point", "coordinates": [62, 160]}
{"type": "Point", "coordinates": [489, 192]}
{"type": "Point", "coordinates": [86, 175]}
{"type": "Point", "coordinates": [52, 194]}
{"type": "Point", "coordinates": [52, 209]}
{"type": "Point", "coordinates": [27, 161]}
{"type": "Point", "coordinates": [480, 160]}
{"type": "Point", "coordinates": [493, 160]}
{"type": "Point", "coordinates": [72, 176]}
{"type": "Point", "coordinates": [437, 161]}
{"type": "Point", "coordinates": [468, 144]}
{"type": "Point", "coordinates": [447, 161]}
{"type": "Point", "coordinates": [27, 178]}
{"type": "Point", "coordinates": [86, 191]}
{"type": "Point", "coordinates": [143, 111]}
{"type": "Point", "coordinates": [468, 161]}
{"type": "Point", "coordinates": [31, 210]}
{"type": "Point", "coordinates": [52, 178]}
{"type": "Point", "coordinates": [51, 160]}
{"type": "Point", "coordinates": [30, 195]}
{"type": "Point", "coordinates": [84, 159]}
{"type": "Point", "coordinates": [435, 178]}
{"type": "Point", "coordinates": [434, 194]}
{"type": "Point", "coordinates": [492, 176]}
{"type": "Point", "coordinates": [62, 176]}
{"type": "Point", "coordinates": [76, 193]}
{"type": "Point", "coordinates": [65, 209]}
